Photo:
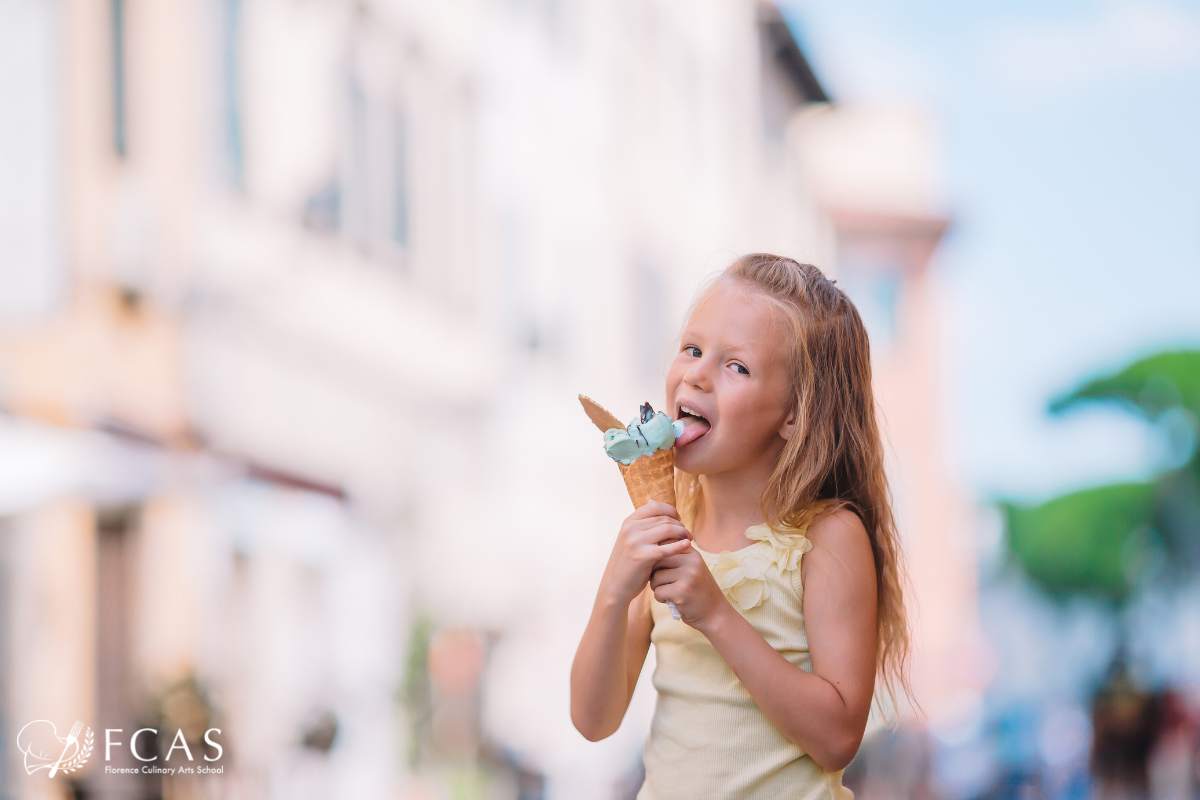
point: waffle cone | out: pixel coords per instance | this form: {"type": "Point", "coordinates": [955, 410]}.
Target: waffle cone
{"type": "Point", "coordinates": [647, 478]}
{"type": "Point", "coordinates": [600, 416]}
{"type": "Point", "coordinates": [651, 478]}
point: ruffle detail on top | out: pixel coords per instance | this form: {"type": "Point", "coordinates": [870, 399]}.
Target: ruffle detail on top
{"type": "Point", "coordinates": [741, 575]}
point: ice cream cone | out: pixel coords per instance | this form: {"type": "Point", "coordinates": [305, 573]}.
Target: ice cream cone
{"type": "Point", "coordinates": [648, 477]}
{"type": "Point", "coordinates": [651, 478]}
{"type": "Point", "coordinates": [600, 416]}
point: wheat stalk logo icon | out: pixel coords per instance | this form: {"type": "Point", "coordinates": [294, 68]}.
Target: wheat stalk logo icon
{"type": "Point", "coordinates": [44, 749]}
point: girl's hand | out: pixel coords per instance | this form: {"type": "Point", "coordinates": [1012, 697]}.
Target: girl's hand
{"type": "Point", "coordinates": [687, 582]}
{"type": "Point", "coordinates": [648, 534]}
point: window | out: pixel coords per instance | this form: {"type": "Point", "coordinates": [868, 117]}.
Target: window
{"type": "Point", "coordinates": [876, 295]}
{"type": "Point", "coordinates": [231, 85]}
{"type": "Point", "coordinates": [32, 268]}
{"type": "Point", "coordinates": [400, 196]}
{"type": "Point", "coordinates": [118, 77]}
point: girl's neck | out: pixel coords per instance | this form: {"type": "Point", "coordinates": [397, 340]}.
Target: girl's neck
{"type": "Point", "coordinates": [729, 504]}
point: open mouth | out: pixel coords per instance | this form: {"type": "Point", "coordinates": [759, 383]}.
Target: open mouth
{"type": "Point", "coordinates": [694, 425]}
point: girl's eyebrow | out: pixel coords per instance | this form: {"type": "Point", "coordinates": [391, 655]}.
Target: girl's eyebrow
{"type": "Point", "coordinates": [742, 351]}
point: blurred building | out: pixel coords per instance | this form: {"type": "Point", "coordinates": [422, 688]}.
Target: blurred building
{"type": "Point", "coordinates": [876, 172]}
{"type": "Point", "coordinates": [297, 296]}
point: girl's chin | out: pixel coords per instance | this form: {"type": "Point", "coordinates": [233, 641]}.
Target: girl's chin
{"type": "Point", "coordinates": [692, 462]}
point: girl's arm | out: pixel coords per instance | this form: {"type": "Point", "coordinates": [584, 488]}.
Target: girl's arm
{"type": "Point", "coordinates": [617, 637]}
{"type": "Point", "coordinates": [608, 663]}
{"type": "Point", "coordinates": [823, 712]}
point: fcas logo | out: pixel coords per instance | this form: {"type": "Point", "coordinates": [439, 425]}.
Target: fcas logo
{"type": "Point", "coordinates": [45, 749]}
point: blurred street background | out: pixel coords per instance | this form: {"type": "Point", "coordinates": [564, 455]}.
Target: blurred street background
{"type": "Point", "coordinates": [296, 297]}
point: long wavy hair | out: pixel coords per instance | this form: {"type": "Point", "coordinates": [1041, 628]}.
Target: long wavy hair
{"type": "Point", "coordinates": [834, 459]}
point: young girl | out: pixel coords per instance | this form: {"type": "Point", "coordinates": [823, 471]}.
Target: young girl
{"type": "Point", "coordinates": [783, 557]}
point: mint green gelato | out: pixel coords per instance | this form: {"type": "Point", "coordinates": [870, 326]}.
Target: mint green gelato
{"type": "Point", "coordinates": [648, 433]}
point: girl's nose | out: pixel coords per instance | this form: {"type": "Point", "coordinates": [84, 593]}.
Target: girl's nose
{"type": "Point", "coordinates": [697, 375]}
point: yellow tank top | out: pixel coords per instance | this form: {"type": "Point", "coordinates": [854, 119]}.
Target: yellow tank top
{"type": "Point", "coordinates": [708, 738]}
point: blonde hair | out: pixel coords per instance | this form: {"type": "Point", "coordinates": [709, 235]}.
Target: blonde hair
{"type": "Point", "coordinates": [834, 459]}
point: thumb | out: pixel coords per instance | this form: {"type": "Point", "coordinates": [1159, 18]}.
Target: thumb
{"type": "Point", "coordinates": [680, 546]}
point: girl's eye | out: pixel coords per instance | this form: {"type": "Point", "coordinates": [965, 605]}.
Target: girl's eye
{"type": "Point", "coordinates": [692, 351]}
{"type": "Point", "coordinates": [740, 369]}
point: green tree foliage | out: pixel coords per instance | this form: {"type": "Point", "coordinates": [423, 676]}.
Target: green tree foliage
{"type": "Point", "coordinates": [1149, 386]}
{"type": "Point", "coordinates": [1106, 539]}
{"type": "Point", "coordinates": [1080, 542]}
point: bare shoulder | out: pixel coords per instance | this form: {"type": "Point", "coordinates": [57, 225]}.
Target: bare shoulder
{"type": "Point", "coordinates": [840, 542]}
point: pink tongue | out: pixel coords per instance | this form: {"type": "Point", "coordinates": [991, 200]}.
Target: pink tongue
{"type": "Point", "coordinates": [693, 428]}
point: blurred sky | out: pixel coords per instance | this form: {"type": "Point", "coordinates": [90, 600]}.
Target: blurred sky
{"type": "Point", "coordinates": [1072, 174]}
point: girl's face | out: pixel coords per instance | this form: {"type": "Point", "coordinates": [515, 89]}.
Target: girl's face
{"type": "Point", "coordinates": [730, 383]}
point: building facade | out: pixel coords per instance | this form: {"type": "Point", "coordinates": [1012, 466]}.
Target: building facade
{"type": "Point", "coordinates": [298, 296]}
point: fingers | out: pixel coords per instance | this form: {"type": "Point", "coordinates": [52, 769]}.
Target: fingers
{"type": "Point", "coordinates": [656, 530]}
{"type": "Point", "coordinates": [638, 524]}
{"type": "Point", "coordinates": [654, 508]}
{"type": "Point", "coordinates": [668, 533]}
{"type": "Point", "coordinates": [670, 549]}
{"type": "Point", "coordinates": [674, 563]}
{"type": "Point", "coordinates": [662, 576]}
{"type": "Point", "coordinates": [653, 554]}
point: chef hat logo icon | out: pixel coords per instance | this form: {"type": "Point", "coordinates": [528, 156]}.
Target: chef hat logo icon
{"type": "Point", "coordinates": [44, 748]}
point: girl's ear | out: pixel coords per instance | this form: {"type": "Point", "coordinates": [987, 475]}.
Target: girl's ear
{"type": "Point", "coordinates": [788, 426]}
